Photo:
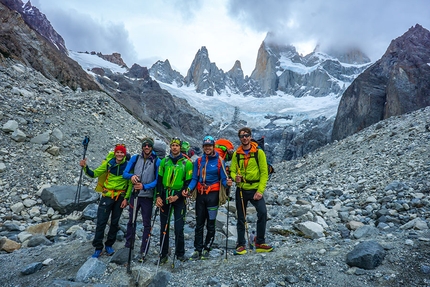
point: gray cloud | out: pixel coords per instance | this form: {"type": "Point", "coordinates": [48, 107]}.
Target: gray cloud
{"type": "Point", "coordinates": [186, 9]}
{"type": "Point", "coordinates": [82, 33]}
{"type": "Point", "coordinates": [367, 24]}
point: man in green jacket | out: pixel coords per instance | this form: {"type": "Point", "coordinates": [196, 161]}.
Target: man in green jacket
{"type": "Point", "coordinates": [174, 176]}
{"type": "Point", "coordinates": [115, 191]}
{"type": "Point", "coordinates": [249, 169]}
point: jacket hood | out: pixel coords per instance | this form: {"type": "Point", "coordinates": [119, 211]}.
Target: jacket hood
{"type": "Point", "coordinates": [254, 148]}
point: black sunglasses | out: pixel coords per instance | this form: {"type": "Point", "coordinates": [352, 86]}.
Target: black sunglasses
{"type": "Point", "coordinates": [146, 145]}
{"type": "Point", "coordinates": [244, 136]}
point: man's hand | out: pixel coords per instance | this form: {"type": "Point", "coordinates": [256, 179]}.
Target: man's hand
{"type": "Point", "coordinates": [124, 203]}
{"type": "Point", "coordinates": [159, 202]}
{"type": "Point", "coordinates": [83, 162]}
{"type": "Point", "coordinates": [135, 179]}
{"type": "Point", "coordinates": [138, 186]}
{"type": "Point", "coordinates": [172, 198]}
{"type": "Point", "coordinates": [257, 196]}
{"type": "Point", "coordinates": [185, 193]}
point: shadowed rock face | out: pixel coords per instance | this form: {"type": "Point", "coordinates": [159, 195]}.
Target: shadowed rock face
{"type": "Point", "coordinates": [18, 41]}
{"type": "Point", "coordinates": [396, 84]}
{"type": "Point", "coordinates": [37, 21]}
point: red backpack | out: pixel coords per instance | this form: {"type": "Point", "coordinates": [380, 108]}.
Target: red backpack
{"type": "Point", "coordinates": [222, 146]}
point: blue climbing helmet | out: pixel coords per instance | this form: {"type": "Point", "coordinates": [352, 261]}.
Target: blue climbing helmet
{"type": "Point", "coordinates": [208, 140]}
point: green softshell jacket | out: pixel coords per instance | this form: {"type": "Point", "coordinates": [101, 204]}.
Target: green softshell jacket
{"type": "Point", "coordinates": [174, 175]}
{"type": "Point", "coordinates": [114, 180]}
{"type": "Point", "coordinates": [255, 174]}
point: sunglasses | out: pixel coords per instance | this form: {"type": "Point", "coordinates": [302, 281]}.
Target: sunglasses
{"type": "Point", "coordinates": [244, 136]}
{"type": "Point", "coordinates": [120, 145]}
{"type": "Point", "coordinates": [146, 145]}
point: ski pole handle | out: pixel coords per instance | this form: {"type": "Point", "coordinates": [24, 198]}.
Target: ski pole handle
{"type": "Point", "coordinates": [85, 143]}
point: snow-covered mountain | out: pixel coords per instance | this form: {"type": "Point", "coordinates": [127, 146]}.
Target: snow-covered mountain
{"type": "Point", "coordinates": [230, 100]}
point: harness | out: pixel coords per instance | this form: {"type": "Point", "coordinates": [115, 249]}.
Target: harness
{"type": "Point", "coordinates": [118, 192]}
{"type": "Point", "coordinates": [203, 187]}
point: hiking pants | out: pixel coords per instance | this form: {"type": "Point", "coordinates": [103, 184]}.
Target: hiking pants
{"type": "Point", "coordinates": [206, 211]}
{"type": "Point", "coordinates": [144, 204]}
{"type": "Point", "coordinates": [260, 206]}
{"type": "Point", "coordinates": [107, 207]}
{"type": "Point", "coordinates": [178, 209]}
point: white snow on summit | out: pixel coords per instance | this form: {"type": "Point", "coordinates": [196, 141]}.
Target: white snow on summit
{"type": "Point", "coordinates": [88, 61]}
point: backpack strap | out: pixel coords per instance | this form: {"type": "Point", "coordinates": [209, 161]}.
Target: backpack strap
{"type": "Point", "coordinates": [252, 155]}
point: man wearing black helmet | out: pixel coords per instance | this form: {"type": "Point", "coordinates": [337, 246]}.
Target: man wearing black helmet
{"type": "Point", "coordinates": [208, 174]}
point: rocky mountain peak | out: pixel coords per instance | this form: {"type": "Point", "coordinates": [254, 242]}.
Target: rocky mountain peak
{"type": "Point", "coordinates": [163, 72]}
{"type": "Point", "coordinates": [396, 84]}
{"type": "Point", "coordinates": [113, 58]}
{"type": "Point", "coordinates": [37, 21]}
{"type": "Point", "coordinates": [279, 67]}
{"type": "Point", "coordinates": [21, 42]}
{"type": "Point", "coordinates": [205, 75]}
{"type": "Point", "coordinates": [416, 37]}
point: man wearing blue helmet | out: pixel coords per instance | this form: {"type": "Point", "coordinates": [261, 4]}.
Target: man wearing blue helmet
{"type": "Point", "coordinates": [207, 176]}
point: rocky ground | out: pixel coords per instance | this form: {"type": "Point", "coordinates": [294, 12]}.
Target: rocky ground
{"type": "Point", "coordinates": [373, 186]}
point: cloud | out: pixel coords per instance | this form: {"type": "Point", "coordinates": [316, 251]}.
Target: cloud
{"type": "Point", "coordinates": [83, 33]}
{"type": "Point", "coordinates": [367, 24]}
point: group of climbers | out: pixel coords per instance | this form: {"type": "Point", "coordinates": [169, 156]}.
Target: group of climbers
{"type": "Point", "coordinates": [146, 179]}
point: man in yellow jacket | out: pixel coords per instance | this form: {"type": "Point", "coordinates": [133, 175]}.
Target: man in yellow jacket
{"type": "Point", "coordinates": [116, 191]}
{"type": "Point", "coordinates": [249, 169]}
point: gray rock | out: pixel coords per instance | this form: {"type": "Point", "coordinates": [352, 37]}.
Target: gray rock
{"type": "Point", "coordinates": [41, 138]}
{"type": "Point", "coordinates": [366, 255]}
{"type": "Point", "coordinates": [161, 279]}
{"type": "Point", "coordinates": [18, 136]}
{"type": "Point", "coordinates": [92, 268]}
{"type": "Point", "coordinates": [38, 240]}
{"type": "Point", "coordinates": [62, 198]}
{"type": "Point", "coordinates": [10, 126]}
{"type": "Point", "coordinates": [31, 268]}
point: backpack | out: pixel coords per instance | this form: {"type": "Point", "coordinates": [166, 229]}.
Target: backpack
{"type": "Point", "coordinates": [222, 146]}
{"type": "Point", "coordinates": [102, 178]}
{"type": "Point", "coordinates": [159, 148]}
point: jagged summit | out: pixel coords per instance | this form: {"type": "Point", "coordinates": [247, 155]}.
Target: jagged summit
{"type": "Point", "coordinates": [396, 84]}
{"type": "Point", "coordinates": [37, 21]}
{"type": "Point", "coordinates": [113, 58]}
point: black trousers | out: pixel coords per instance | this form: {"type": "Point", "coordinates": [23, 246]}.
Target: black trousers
{"type": "Point", "coordinates": [107, 207]}
{"type": "Point", "coordinates": [260, 206]}
{"type": "Point", "coordinates": [178, 209]}
{"type": "Point", "coordinates": [206, 212]}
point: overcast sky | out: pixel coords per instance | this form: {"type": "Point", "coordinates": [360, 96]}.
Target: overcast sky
{"type": "Point", "coordinates": [145, 31]}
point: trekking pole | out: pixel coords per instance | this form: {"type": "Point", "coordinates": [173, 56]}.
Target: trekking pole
{"type": "Point", "coordinates": [133, 234]}
{"type": "Point", "coordinates": [78, 190]}
{"type": "Point", "coordinates": [226, 237]}
{"type": "Point", "coordinates": [244, 215]}
{"type": "Point", "coordinates": [166, 226]}
{"type": "Point", "coordinates": [148, 240]}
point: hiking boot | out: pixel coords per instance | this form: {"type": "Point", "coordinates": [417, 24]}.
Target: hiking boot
{"type": "Point", "coordinates": [141, 257]}
{"type": "Point", "coordinates": [109, 250]}
{"type": "Point", "coordinates": [196, 255]}
{"type": "Point", "coordinates": [163, 260]}
{"type": "Point", "coordinates": [263, 247]}
{"type": "Point", "coordinates": [240, 250]}
{"type": "Point", "coordinates": [181, 258]}
{"type": "Point", "coordinates": [97, 253]}
{"type": "Point", "coordinates": [205, 255]}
